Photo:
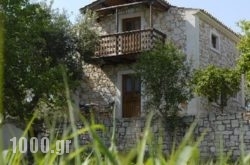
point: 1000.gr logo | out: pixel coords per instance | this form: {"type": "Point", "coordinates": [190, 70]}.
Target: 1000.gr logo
{"type": "Point", "coordinates": [61, 146]}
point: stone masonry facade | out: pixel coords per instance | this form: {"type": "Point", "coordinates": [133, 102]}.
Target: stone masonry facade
{"type": "Point", "coordinates": [191, 34]}
{"type": "Point", "coordinates": [227, 53]}
{"type": "Point", "coordinates": [225, 56]}
{"type": "Point", "coordinates": [101, 83]}
{"type": "Point", "coordinates": [98, 85]}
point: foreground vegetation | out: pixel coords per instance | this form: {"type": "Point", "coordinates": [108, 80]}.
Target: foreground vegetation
{"type": "Point", "coordinates": [186, 153]}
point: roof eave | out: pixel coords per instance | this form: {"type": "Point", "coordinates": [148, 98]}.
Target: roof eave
{"type": "Point", "coordinates": [97, 2]}
{"type": "Point", "coordinates": [218, 25]}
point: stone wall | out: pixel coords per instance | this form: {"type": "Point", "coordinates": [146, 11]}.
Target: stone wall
{"type": "Point", "coordinates": [98, 85]}
{"type": "Point", "coordinates": [173, 24]}
{"type": "Point", "coordinates": [226, 56]}
{"type": "Point", "coordinates": [129, 131]}
{"type": "Point", "coordinates": [227, 133]}
{"type": "Point", "coordinates": [227, 129]}
{"type": "Point", "coordinates": [102, 86]}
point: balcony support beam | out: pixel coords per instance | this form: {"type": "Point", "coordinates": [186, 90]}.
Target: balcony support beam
{"type": "Point", "coordinates": [121, 6]}
{"type": "Point", "coordinates": [117, 20]}
{"type": "Point", "coordinates": [150, 15]}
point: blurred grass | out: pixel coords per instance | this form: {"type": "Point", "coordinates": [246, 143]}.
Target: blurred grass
{"type": "Point", "coordinates": [1, 64]}
{"type": "Point", "coordinates": [1, 80]}
{"type": "Point", "coordinates": [96, 153]}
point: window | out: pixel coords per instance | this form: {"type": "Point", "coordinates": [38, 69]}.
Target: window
{"type": "Point", "coordinates": [131, 42]}
{"type": "Point", "coordinates": [129, 24]}
{"type": "Point", "coordinates": [215, 41]}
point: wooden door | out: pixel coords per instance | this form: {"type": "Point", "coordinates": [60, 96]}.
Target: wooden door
{"type": "Point", "coordinates": [131, 42]}
{"type": "Point", "coordinates": [131, 96]}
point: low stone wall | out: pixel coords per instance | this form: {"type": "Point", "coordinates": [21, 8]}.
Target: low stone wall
{"type": "Point", "coordinates": [229, 130]}
{"type": "Point", "coordinates": [129, 131]}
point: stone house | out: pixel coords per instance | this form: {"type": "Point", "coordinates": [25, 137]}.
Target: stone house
{"type": "Point", "coordinates": [129, 27]}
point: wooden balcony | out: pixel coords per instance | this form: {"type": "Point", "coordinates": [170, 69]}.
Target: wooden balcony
{"type": "Point", "coordinates": [127, 45]}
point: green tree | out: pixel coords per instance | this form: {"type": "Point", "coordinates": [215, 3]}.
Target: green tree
{"type": "Point", "coordinates": [87, 37]}
{"type": "Point", "coordinates": [38, 42]}
{"type": "Point", "coordinates": [216, 84]}
{"type": "Point", "coordinates": [165, 74]}
{"type": "Point", "coordinates": [1, 67]}
{"type": "Point", "coordinates": [244, 60]}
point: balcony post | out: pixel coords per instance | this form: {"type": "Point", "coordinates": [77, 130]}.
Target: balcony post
{"type": "Point", "coordinates": [150, 15]}
{"type": "Point", "coordinates": [151, 38]}
{"type": "Point", "coordinates": [117, 30]}
{"type": "Point", "coordinates": [117, 20]}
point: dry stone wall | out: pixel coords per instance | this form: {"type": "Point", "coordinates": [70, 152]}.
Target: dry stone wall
{"type": "Point", "coordinates": [232, 130]}
{"type": "Point", "coordinates": [129, 132]}
{"type": "Point", "coordinates": [229, 130]}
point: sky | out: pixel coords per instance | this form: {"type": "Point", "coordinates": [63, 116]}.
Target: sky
{"type": "Point", "coordinates": [227, 11]}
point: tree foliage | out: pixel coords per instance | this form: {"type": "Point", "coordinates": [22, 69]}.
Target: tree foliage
{"type": "Point", "coordinates": [165, 74]}
{"type": "Point", "coordinates": [216, 84]}
{"type": "Point", "coordinates": [39, 41]}
{"type": "Point", "coordinates": [1, 67]}
{"type": "Point", "coordinates": [244, 60]}
{"type": "Point", "coordinates": [86, 34]}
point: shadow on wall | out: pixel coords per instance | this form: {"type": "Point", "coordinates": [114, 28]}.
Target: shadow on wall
{"type": "Point", "coordinates": [98, 86]}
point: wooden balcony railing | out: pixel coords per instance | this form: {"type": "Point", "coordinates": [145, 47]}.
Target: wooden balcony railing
{"type": "Point", "coordinates": [128, 42]}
